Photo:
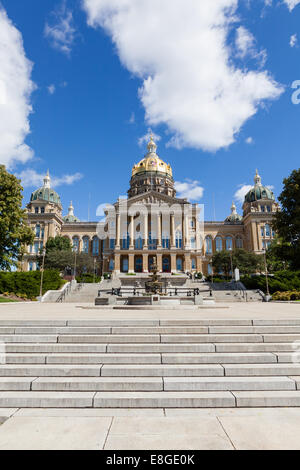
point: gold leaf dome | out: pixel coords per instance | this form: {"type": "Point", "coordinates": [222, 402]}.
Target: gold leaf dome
{"type": "Point", "coordinates": [152, 162]}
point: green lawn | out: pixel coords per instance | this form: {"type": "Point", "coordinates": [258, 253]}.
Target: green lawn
{"type": "Point", "coordinates": [3, 300]}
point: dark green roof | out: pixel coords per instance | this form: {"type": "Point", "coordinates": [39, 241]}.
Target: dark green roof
{"type": "Point", "coordinates": [259, 192]}
{"type": "Point", "coordinates": [234, 219]}
{"type": "Point", "coordinates": [45, 194]}
{"type": "Point", "coordinates": [71, 219]}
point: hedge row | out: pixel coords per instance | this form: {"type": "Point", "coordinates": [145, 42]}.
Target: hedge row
{"type": "Point", "coordinates": [29, 283]}
{"type": "Point", "coordinates": [88, 278]}
{"type": "Point", "coordinates": [283, 281]}
{"type": "Point", "coordinates": [286, 296]}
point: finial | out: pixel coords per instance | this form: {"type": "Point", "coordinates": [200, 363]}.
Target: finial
{"type": "Point", "coordinates": [233, 208]}
{"type": "Point", "coordinates": [257, 178]}
{"type": "Point", "coordinates": [152, 145]}
{"type": "Point", "coordinates": [71, 209]}
{"type": "Point", "coordinates": [47, 180]}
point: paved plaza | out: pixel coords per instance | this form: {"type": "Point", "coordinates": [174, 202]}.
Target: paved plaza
{"type": "Point", "coordinates": [247, 420]}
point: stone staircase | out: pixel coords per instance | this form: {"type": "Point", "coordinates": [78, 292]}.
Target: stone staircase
{"type": "Point", "coordinates": [149, 363]}
{"type": "Point", "coordinates": [85, 293]}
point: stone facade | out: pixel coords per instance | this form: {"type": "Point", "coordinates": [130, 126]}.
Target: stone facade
{"type": "Point", "coordinates": [152, 222]}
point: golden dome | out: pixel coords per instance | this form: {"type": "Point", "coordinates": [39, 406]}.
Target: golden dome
{"type": "Point", "coordinates": [152, 162]}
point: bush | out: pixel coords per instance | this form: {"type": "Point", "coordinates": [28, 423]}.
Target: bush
{"type": "Point", "coordinates": [20, 283]}
{"type": "Point", "coordinates": [88, 278]}
{"type": "Point", "coordinates": [286, 296]}
{"type": "Point", "coordinates": [283, 281]}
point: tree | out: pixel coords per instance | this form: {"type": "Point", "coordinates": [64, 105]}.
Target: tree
{"type": "Point", "coordinates": [287, 221]}
{"type": "Point", "coordinates": [278, 256]}
{"type": "Point", "coordinates": [61, 260]}
{"type": "Point", "coordinates": [58, 244]}
{"type": "Point", "coordinates": [248, 263]}
{"type": "Point", "coordinates": [14, 231]}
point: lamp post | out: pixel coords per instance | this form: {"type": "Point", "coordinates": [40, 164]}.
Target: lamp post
{"type": "Point", "coordinates": [42, 274]}
{"type": "Point", "coordinates": [266, 271]}
{"type": "Point", "coordinates": [231, 262]}
{"type": "Point", "coordinates": [75, 259]}
{"type": "Point", "coordinates": [94, 270]}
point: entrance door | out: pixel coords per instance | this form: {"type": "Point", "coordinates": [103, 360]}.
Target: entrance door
{"type": "Point", "coordinates": [179, 264]}
{"type": "Point", "coordinates": [166, 264]}
{"type": "Point", "coordinates": [125, 265]}
{"type": "Point", "coordinates": [138, 264]}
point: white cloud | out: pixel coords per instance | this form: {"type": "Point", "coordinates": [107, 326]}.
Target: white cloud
{"type": "Point", "coordinates": [31, 178]}
{"type": "Point", "coordinates": [132, 118]}
{"type": "Point", "coordinates": [249, 140]}
{"type": "Point", "coordinates": [61, 33]}
{"type": "Point", "coordinates": [145, 138]}
{"type": "Point", "coordinates": [189, 189]}
{"type": "Point", "coordinates": [293, 40]}
{"type": "Point", "coordinates": [241, 192]}
{"type": "Point", "coordinates": [181, 54]}
{"type": "Point", "coordinates": [51, 89]}
{"type": "Point", "coordinates": [16, 87]}
{"type": "Point", "coordinates": [291, 4]}
{"type": "Point", "coordinates": [246, 46]}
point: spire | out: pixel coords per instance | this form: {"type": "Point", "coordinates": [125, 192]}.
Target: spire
{"type": "Point", "coordinates": [152, 147]}
{"type": "Point", "coordinates": [233, 209]}
{"type": "Point", "coordinates": [47, 180]}
{"type": "Point", "coordinates": [71, 209]}
{"type": "Point", "coordinates": [257, 179]}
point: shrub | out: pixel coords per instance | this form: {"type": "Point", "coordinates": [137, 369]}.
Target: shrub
{"type": "Point", "coordinates": [283, 281]}
{"type": "Point", "coordinates": [28, 283]}
{"type": "Point", "coordinates": [88, 278]}
{"type": "Point", "coordinates": [286, 296]}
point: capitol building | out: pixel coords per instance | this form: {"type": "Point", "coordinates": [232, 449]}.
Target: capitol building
{"type": "Point", "coordinates": [152, 222]}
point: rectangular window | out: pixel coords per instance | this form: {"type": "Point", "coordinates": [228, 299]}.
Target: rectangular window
{"type": "Point", "coordinates": [112, 243]}
{"type": "Point", "coordinates": [193, 243]}
{"type": "Point", "coordinates": [36, 247]}
{"type": "Point", "coordinates": [262, 231]}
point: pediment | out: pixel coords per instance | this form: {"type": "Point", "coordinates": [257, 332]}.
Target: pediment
{"type": "Point", "coordinates": [153, 197]}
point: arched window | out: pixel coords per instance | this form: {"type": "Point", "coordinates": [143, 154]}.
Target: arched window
{"type": "Point", "coordinates": [37, 230]}
{"type": "Point", "coordinates": [95, 246]}
{"type": "Point", "coordinates": [239, 242]}
{"type": "Point", "coordinates": [138, 242]}
{"type": "Point", "coordinates": [30, 266]}
{"type": "Point", "coordinates": [229, 243]}
{"type": "Point", "coordinates": [111, 266]}
{"type": "Point", "coordinates": [125, 242]}
{"type": "Point", "coordinates": [152, 242]}
{"type": "Point", "coordinates": [42, 232]}
{"type": "Point", "coordinates": [178, 239]}
{"type": "Point", "coordinates": [85, 245]}
{"type": "Point", "coordinates": [208, 245]}
{"type": "Point", "coordinates": [165, 240]}
{"type": "Point", "coordinates": [76, 244]}
{"type": "Point", "coordinates": [42, 210]}
{"type": "Point", "coordinates": [219, 244]}
{"type": "Point", "coordinates": [194, 265]}
{"type": "Point", "coordinates": [36, 210]}
{"type": "Point", "coordinates": [267, 230]}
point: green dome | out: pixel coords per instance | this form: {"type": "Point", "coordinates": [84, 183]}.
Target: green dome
{"type": "Point", "coordinates": [71, 219]}
{"type": "Point", "coordinates": [259, 191]}
{"type": "Point", "coordinates": [45, 194]}
{"type": "Point", "coordinates": [234, 218]}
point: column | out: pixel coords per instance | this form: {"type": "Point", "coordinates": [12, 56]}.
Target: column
{"type": "Point", "coordinates": [183, 232]}
{"type": "Point", "coordinates": [187, 232]}
{"type": "Point", "coordinates": [173, 262]}
{"type": "Point", "coordinates": [173, 232]}
{"type": "Point", "coordinates": [159, 240]}
{"type": "Point", "coordinates": [131, 234]}
{"type": "Point", "coordinates": [199, 264]}
{"type": "Point", "coordinates": [131, 263]}
{"type": "Point", "coordinates": [146, 234]}
{"type": "Point", "coordinates": [187, 263]}
{"type": "Point", "coordinates": [145, 263]}
{"type": "Point", "coordinates": [159, 261]}
{"type": "Point", "coordinates": [118, 230]}
{"type": "Point", "coordinates": [117, 264]}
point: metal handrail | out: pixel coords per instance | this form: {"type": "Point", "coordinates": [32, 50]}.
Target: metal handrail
{"type": "Point", "coordinates": [136, 291]}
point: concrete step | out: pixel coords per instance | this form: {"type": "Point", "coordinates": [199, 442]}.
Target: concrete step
{"type": "Point", "coordinates": [16, 383]}
{"type": "Point", "coordinates": [182, 330]}
{"type": "Point", "coordinates": [50, 371]}
{"type": "Point", "coordinates": [134, 384]}
{"type": "Point", "coordinates": [164, 400]}
{"type": "Point", "coordinates": [161, 348]}
{"type": "Point", "coordinates": [57, 348]}
{"type": "Point", "coordinates": [219, 358]}
{"type": "Point", "coordinates": [163, 370]}
{"type": "Point", "coordinates": [223, 383]}
{"type": "Point", "coordinates": [28, 339]}
{"type": "Point", "coordinates": [103, 359]}
{"type": "Point", "coordinates": [109, 339]}
{"type": "Point", "coordinates": [64, 330]}
{"type": "Point", "coordinates": [255, 347]}
{"type": "Point", "coordinates": [263, 399]}
{"type": "Point", "coordinates": [256, 370]}
{"type": "Point", "coordinates": [254, 329]}
{"type": "Point", "coordinates": [213, 339]}
{"type": "Point", "coordinates": [46, 399]}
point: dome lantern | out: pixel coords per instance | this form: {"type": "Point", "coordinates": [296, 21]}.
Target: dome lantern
{"type": "Point", "coordinates": [234, 218]}
{"type": "Point", "coordinates": [259, 192]}
{"type": "Point", "coordinates": [46, 193]}
{"type": "Point", "coordinates": [71, 218]}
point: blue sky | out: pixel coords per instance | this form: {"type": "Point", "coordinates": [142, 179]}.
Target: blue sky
{"type": "Point", "coordinates": [220, 102]}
